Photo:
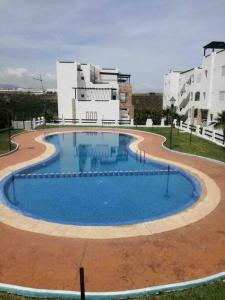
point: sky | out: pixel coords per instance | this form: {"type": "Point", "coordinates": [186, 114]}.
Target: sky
{"type": "Point", "coordinates": [144, 38]}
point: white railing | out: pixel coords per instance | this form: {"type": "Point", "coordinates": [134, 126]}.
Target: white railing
{"type": "Point", "coordinates": [34, 123]}
{"type": "Point", "coordinates": [208, 134]}
{"type": "Point", "coordinates": [28, 124]}
{"type": "Point", "coordinates": [105, 122]}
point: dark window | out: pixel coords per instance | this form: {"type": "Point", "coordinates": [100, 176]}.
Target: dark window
{"type": "Point", "coordinates": [82, 95]}
{"type": "Point", "coordinates": [197, 96]}
{"type": "Point", "coordinates": [195, 113]}
{"type": "Point", "coordinates": [82, 77]}
{"type": "Point", "coordinates": [114, 94]}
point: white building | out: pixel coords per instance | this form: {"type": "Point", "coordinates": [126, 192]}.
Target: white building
{"type": "Point", "coordinates": [199, 92]}
{"type": "Point", "coordinates": [89, 92]}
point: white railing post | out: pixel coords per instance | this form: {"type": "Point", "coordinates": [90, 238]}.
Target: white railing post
{"type": "Point", "coordinates": [42, 120]}
{"type": "Point", "coordinates": [198, 129]}
{"type": "Point", "coordinates": [213, 135]}
{"type": "Point", "coordinates": [203, 131]}
{"type": "Point", "coordinates": [131, 122]}
{"type": "Point", "coordinates": [162, 122]}
{"type": "Point", "coordinates": [99, 122]}
{"type": "Point", "coordinates": [117, 123]}
{"type": "Point", "coordinates": [149, 123]}
{"type": "Point", "coordinates": [188, 127]}
{"type": "Point", "coordinates": [63, 122]}
{"type": "Point", "coordinates": [34, 123]}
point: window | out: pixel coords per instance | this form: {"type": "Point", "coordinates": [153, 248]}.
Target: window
{"type": "Point", "coordinates": [196, 113]}
{"type": "Point", "coordinates": [114, 94]}
{"type": "Point", "coordinates": [206, 73]}
{"type": "Point", "coordinates": [82, 95]}
{"type": "Point", "coordinates": [82, 77]}
{"type": "Point", "coordinates": [91, 115]}
{"type": "Point", "coordinates": [197, 96]}
{"type": "Point", "coordinates": [123, 97]}
{"type": "Point", "coordinates": [223, 70]}
{"type": "Point", "coordinates": [204, 95]}
{"type": "Point", "coordinates": [222, 95]}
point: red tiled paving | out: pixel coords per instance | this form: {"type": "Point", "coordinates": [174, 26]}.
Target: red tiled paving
{"type": "Point", "coordinates": [42, 261]}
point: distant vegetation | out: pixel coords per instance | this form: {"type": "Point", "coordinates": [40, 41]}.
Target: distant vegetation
{"type": "Point", "coordinates": [25, 106]}
{"type": "Point", "coordinates": [149, 105]}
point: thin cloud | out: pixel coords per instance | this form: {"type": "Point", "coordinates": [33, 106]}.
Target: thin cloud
{"type": "Point", "coordinates": [17, 72]}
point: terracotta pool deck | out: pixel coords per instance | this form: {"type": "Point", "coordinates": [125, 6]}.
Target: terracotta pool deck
{"type": "Point", "coordinates": [42, 261]}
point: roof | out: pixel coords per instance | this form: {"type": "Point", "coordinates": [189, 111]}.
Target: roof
{"type": "Point", "coordinates": [215, 45]}
{"type": "Point", "coordinates": [187, 71]}
{"type": "Point", "coordinates": [116, 73]}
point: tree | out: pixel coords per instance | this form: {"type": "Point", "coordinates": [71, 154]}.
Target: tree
{"type": "Point", "coordinates": [3, 118]}
{"type": "Point", "coordinates": [220, 123]}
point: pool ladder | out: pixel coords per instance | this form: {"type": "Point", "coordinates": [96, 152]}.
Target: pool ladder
{"type": "Point", "coordinates": [140, 156]}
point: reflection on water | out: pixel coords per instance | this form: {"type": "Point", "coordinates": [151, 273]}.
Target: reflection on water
{"type": "Point", "coordinates": [92, 151]}
{"type": "Point", "coordinates": [99, 151]}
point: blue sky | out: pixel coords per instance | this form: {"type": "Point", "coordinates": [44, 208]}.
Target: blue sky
{"type": "Point", "coordinates": [145, 38]}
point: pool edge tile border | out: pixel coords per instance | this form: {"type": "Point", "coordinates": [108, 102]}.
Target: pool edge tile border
{"type": "Point", "coordinates": [64, 294]}
{"type": "Point", "coordinates": [208, 201]}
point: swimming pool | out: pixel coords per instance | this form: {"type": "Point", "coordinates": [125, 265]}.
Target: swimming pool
{"type": "Point", "coordinates": [95, 179]}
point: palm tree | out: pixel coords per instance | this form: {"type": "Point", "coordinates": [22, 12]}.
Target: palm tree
{"type": "Point", "coordinates": [220, 123]}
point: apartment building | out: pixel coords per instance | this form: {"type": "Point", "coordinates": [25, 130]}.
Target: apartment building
{"type": "Point", "coordinates": [199, 92]}
{"type": "Point", "coordinates": [89, 92]}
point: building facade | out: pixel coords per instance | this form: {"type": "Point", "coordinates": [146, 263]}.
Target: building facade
{"type": "Point", "coordinates": [89, 92]}
{"type": "Point", "coordinates": [200, 91]}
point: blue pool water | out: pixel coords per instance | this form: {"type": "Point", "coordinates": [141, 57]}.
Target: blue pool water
{"type": "Point", "coordinates": [90, 197]}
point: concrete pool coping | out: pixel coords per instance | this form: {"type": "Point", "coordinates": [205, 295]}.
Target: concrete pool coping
{"type": "Point", "coordinates": [210, 198]}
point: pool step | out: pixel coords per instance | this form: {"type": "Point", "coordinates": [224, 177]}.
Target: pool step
{"type": "Point", "coordinates": [95, 174]}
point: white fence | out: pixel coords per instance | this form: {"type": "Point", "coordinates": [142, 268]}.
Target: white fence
{"type": "Point", "coordinates": [104, 122]}
{"type": "Point", "coordinates": [204, 132]}
{"type": "Point", "coordinates": [28, 124]}
{"type": "Point", "coordinates": [34, 123]}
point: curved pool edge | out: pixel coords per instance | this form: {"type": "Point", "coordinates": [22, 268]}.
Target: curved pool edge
{"type": "Point", "coordinates": [66, 294]}
{"type": "Point", "coordinates": [208, 201]}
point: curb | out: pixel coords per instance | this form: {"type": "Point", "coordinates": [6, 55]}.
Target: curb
{"type": "Point", "coordinates": [17, 145]}
{"type": "Point", "coordinates": [45, 293]}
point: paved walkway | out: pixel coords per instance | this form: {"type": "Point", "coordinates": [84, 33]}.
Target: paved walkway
{"type": "Point", "coordinates": [42, 261]}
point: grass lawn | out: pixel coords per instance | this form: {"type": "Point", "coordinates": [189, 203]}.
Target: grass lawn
{"type": "Point", "coordinates": [181, 142]}
{"type": "Point", "coordinates": [4, 141]}
{"type": "Point", "coordinates": [213, 291]}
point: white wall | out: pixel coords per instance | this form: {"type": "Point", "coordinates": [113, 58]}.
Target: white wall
{"type": "Point", "coordinates": [215, 82]}
{"type": "Point", "coordinates": [105, 109]}
{"type": "Point", "coordinates": [207, 79]}
{"type": "Point", "coordinates": [66, 80]}
{"type": "Point", "coordinates": [95, 97]}
{"type": "Point", "coordinates": [171, 88]}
